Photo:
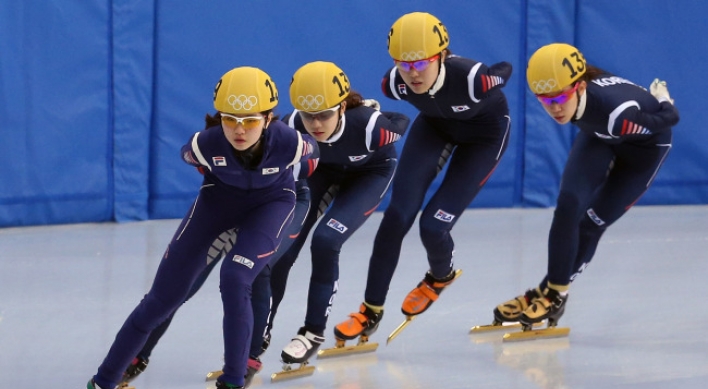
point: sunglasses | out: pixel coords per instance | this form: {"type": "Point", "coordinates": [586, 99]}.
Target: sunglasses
{"type": "Point", "coordinates": [419, 66]}
{"type": "Point", "coordinates": [248, 122]}
{"type": "Point", "coordinates": [560, 98]}
{"type": "Point", "coordinates": [320, 115]}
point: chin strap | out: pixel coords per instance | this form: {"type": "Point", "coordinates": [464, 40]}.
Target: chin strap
{"type": "Point", "coordinates": [582, 101]}
{"type": "Point", "coordinates": [439, 81]}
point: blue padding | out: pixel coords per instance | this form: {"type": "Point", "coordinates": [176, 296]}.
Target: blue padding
{"type": "Point", "coordinates": [54, 126]}
{"type": "Point", "coordinates": [659, 39]}
{"type": "Point", "coordinates": [547, 144]}
{"type": "Point", "coordinates": [96, 98]}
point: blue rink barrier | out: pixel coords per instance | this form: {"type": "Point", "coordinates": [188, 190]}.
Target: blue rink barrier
{"type": "Point", "coordinates": [96, 98]}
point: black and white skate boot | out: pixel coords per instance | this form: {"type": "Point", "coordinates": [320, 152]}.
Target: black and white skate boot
{"type": "Point", "coordinates": [266, 342]}
{"type": "Point", "coordinates": [551, 307]}
{"type": "Point", "coordinates": [136, 367]}
{"type": "Point", "coordinates": [302, 347]}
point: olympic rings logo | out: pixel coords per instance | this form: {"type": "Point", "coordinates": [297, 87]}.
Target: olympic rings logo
{"type": "Point", "coordinates": [242, 102]}
{"type": "Point", "coordinates": [412, 56]}
{"type": "Point", "coordinates": [544, 86]}
{"type": "Point", "coordinates": [310, 102]}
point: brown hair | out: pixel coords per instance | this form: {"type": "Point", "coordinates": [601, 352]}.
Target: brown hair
{"type": "Point", "coordinates": [354, 99]}
{"type": "Point", "coordinates": [591, 73]}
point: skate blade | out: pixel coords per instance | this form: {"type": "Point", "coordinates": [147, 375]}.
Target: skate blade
{"type": "Point", "coordinates": [347, 350]}
{"type": "Point", "coordinates": [498, 327]}
{"type": "Point", "coordinates": [549, 332]}
{"type": "Point", "coordinates": [302, 371]}
{"type": "Point", "coordinates": [400, 328]}
{"type": "Point", "coordinates": [213, 375]}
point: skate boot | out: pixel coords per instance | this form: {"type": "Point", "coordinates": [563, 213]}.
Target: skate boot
{"type": "Point", "coordinates": [506, 314]}
{"type": "Point", "coordinates": [422, 297]}
{"type": "Point", "coordinates": [512, 309]}
{"type": "Point", "coordinates": [360, 324]}
{"type": "Point", "coordinates": [136, 367]}
{"type": "Point", "coordinates": [252, 368]}
{"type": "Point", "coordinates": [426, 293]}
{"type": "Point", "coordinates": [92, 385]}
{"type": "Point", "coordinates": [266, 342]}
{"type": "Point", "coordinates": [299, 350]}
{"type": "Point", "coordinates": [549, 307]}
{"type": "Point", "coordinates": [224, 385]}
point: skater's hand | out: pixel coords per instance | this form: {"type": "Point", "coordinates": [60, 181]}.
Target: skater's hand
{"type": "Point", "coordinates": [372, 104]}
{"type": "Point", "coordinates": [659, 90]}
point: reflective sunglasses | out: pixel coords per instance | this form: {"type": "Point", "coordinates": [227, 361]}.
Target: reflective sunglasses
{"type": "Point", "coordinates": [320, 115]}
{"type": "Point", "coordinates": [248, 122]}
{"type": "Point", "coordinates": [560, 98]}
{"type": "Point", "coordinates": [407, 66]}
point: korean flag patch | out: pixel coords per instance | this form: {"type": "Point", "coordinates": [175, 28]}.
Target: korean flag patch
{"type": "Point", "coordinates": [270, 170]}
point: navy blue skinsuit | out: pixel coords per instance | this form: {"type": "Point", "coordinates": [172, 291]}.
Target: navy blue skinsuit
{"type": "Point", "coordinates": [355, 169]}
{"type": "Point", "coordinates": [624, 138]}
{"type": "Point", "coordinates": [464, 121]}
{"type": "Point", "coordinates": [258, 203]}
{"type": "Point", "coordinates": [260, 289]}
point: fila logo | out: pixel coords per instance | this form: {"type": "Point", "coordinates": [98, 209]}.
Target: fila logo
{"type": "Point", "coordinates": [270, 170]}
{"type": "Point", "coordinates": [444, 216]}
{"type": "Point", "coordinates": [218, 161]}
{"type": "Point", "coordinates": [460, 108]}
{"type": "Point", "coordinates": [337, 226]}
{"type": "Point", "coordinates": [355, 158]}
{"type": "Point", "coordinates": [244, 261]}
{"type": "Point", "coordinates": [402, 89]}
{"type": "Point", "coordinates": [596, 219]}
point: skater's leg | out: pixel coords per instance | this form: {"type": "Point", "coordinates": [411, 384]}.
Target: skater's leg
{"type": "Point", "coordinates": [264, 300]}
{"type": "Point", "coordinates": [469, 169]}
{"type": "Point", "coordinates": [258, 238]}
{"type": "Point", "coordinates": [631, 175]}
{"type": "Point", "coordinates": [260, 301]}
{"type": "Point", "coordinates": [626, 177]}
{"type": "Point", "coordinates": [424, 155]}
{"type": "Point", "coordinates": [584, 173]}
{"type": "Point", "coordinates": [157, 333]}
{"type": "Point", "coordinates": [178, 270]}
{"type": "Point", "coordinates": [357, 198]}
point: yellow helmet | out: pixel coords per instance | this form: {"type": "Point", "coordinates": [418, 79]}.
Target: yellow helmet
{"type": "Point", "coordinates": [554, 67]}
{"type": "Point", "coordinates": [245, 90]}
{"type": "Point", "coordinates": [317, 86]}
{"type": "Point", "coordinates": [417, 36]}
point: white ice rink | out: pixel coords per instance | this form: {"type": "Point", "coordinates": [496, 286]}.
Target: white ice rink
{"type": "Point", "coordinates": [638, 315]}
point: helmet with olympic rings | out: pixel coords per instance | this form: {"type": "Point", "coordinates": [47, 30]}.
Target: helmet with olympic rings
{"type": "Point", "coordinates": [554, 67]}
{"type": "Point", "coordinates": [416, 36]}
{"type": "Point", "coordinates": [317, 86]}
{"type": "Point", "coordinates": [245, 90]}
